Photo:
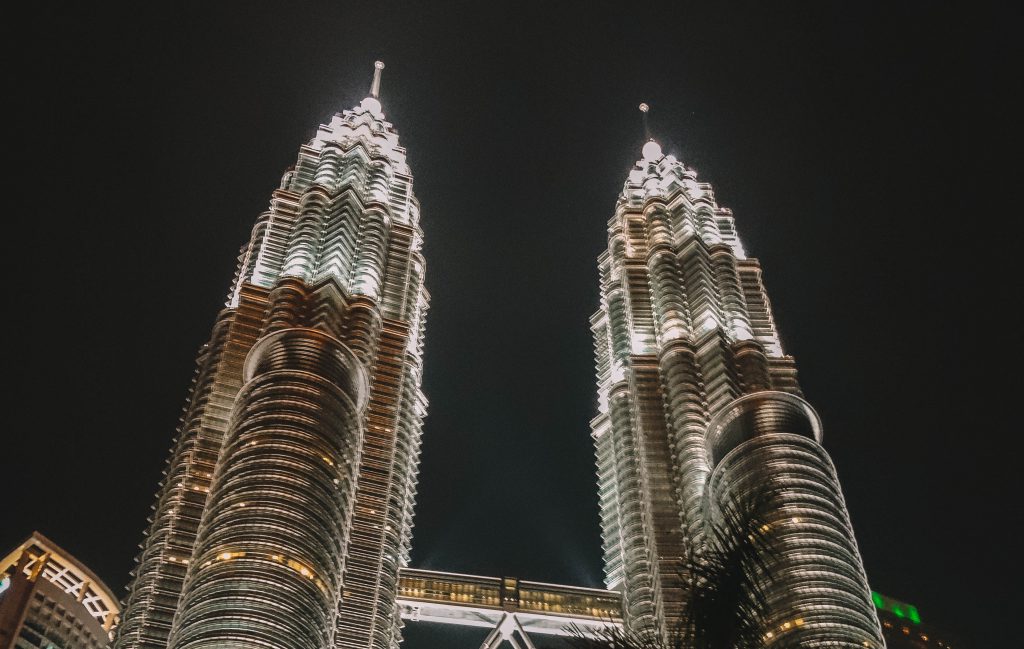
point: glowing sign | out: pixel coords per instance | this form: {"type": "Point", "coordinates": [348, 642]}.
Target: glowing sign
{"type": "Point", "coordinates": [5, 583]}
{"type": "Point", "coordinates": [900, 609]}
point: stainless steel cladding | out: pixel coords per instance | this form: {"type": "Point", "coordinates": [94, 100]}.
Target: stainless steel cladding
{"type": "Point", "coordinates": [818, 593]}
{"type": "Point", "coordinates": [285, 512]}
{"type": "Point", "coordinates": [684, 336]}
{"type": "Point", "coordinates": [270, 553]}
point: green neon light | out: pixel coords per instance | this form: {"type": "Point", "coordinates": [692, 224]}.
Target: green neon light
{"type": "Point", "coordinates": [900, 609]}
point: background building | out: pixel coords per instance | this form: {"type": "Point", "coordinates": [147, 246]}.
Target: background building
{"type": "Point", "coordinates": [698, 407]}
{"type": "Point", "coordinates": [903, 628]}
{"type": "Point", "coordinates": [49, 600]}
{"type": "Point", "coordinates": [309, 386]}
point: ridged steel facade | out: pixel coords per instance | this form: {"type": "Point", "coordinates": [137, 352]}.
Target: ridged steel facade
{"type": "Point", "coordinates": [285, 512]}
{"type": "Point", "coordinates": [696, 401]}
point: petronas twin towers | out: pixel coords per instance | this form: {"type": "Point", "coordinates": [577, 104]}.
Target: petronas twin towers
{"type": "Point", "coordinates": [286, 506]}
{"type": "Point", "coordinates": [699, 408]}
{"type": "Point", "coordinates": [285, 511]}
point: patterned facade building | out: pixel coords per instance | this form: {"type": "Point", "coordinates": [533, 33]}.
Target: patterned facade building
{"type": "Point", "coordinates": [285, 511]}
{"type": "Point", "coordinates": [51, 600]}
{"type": "Point", "coordinates": [697, 405]}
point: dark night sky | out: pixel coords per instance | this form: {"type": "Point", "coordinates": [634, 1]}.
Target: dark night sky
{"type": "Point", "coordinates": [854, 144]}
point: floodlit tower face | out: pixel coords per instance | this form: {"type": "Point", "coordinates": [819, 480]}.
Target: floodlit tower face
{"type": "Point", "coordinates": [817, 592]}
{"type": "Point", "coordinates": [286, 509]}
{"type": "Point", "coordinates": [684, 332]}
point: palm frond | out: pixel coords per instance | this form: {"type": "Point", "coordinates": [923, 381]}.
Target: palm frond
{"type": "Point", "coordinates": [726, 579]}
{"type": "Point", "coordinates": [614, 638]}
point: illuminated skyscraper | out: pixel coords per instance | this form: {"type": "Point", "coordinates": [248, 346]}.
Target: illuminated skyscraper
{"type": "Point", "coordinates": [698, 404]}
{"type": "Point", "coordinates": [286, 507]}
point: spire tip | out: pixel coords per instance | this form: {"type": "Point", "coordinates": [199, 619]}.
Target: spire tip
{"type": "Point", "coordinates": [375, 86]}
{"type": "Point", "coordinates": [644, 108]}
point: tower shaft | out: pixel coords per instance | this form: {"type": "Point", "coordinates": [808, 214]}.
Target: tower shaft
{"type": "Point", "coordinates": [286, 510]}
{"type": "Point", "coordinates": [684, 334]}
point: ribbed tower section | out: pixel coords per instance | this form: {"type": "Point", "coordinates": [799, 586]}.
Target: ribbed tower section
{"type": "Point", "coordinates": [286, 507]}
{"type": "Point", "coordinates": [684, 338]}
{"type": "Point", "coordinates": [816, 593]}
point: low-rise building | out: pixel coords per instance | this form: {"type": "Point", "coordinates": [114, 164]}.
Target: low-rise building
{"type": "Point", "coordinates": [50, 600]}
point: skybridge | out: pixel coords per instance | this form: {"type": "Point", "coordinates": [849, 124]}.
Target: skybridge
{"type": "Point", "coordinates": [513, 609]}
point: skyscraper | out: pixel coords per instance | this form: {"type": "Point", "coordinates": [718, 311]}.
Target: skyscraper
{"type": "Point", "coordinates": [285, 510]}
{"type": "Point", "coordinates": [697, 405]}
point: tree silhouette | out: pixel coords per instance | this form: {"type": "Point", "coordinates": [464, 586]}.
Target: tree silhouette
{"type": "Point", "coordinates": [726, 576]}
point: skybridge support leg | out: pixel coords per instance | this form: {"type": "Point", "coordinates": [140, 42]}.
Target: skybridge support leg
{"type": "Point", "coordinates": [506, 630]}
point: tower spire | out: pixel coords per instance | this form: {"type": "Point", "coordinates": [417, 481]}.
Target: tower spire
{"type": "Point", "coordinates": [644, 108]}
{"type": "Point", "coordinates": [651, 150]}
{"type": "Point", "coordinates": [375, 85]}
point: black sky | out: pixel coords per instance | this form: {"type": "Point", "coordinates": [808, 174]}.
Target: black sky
{"type": "Point", "coordinates": [853, 142]}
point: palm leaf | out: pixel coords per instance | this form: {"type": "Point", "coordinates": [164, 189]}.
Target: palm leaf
{"type": "Point", "coordinates": [726, 577]}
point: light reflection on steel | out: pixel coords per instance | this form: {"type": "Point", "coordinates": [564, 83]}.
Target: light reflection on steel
{"type": "Point", "coordinates": [818, 593]}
